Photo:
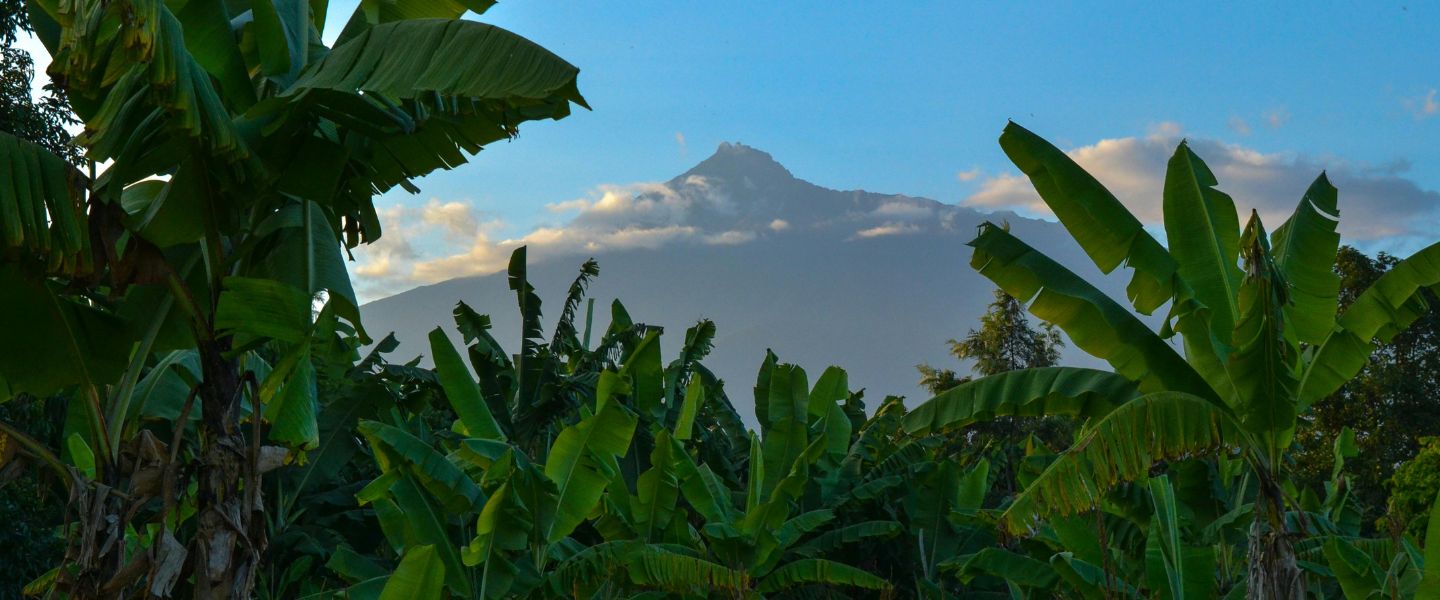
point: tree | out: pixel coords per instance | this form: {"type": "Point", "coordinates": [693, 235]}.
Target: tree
{"type": "Point", "coordinates": [1005, 342]}
{"type": "Point", "coordinates": [1391, 404]}
{"type": "Point", "coordinates": [1242, 302]}
{"type": "Point", "coordinates": [243, 156]}
{"type": "Point", "coordinates": [28, 504]}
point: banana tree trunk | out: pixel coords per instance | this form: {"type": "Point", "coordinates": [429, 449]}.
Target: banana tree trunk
{"type": "Point", "coordinates": [1274, 574]}
{"type": "Point", "coordinates": [230, 537]}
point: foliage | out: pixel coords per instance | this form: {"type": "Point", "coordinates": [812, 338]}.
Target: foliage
{"type": "Point", "coordinates": [1242, 302]}
{"type": "Point", "coordinates": [1390, 404]}
{"type": "Point", "coordinates": [188, 296]}
{"type": "Point", "coordinates": [29, 506]}
{"type": "Point", "coordinates": [1413, 488]}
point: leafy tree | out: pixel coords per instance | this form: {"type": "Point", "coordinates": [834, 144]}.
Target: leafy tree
{"type": "Point", "coordinates": [1004, 342]}
{"type": "Point", "coordinates": [30, 509]}
{"type": "Point", "coordinates": [39, 120]}
{"type": "Point", "coordinates": [1413, 489]}
{"type": "Point", "coordinates": [185, 296]}
{"type": "Point", "coordinates": [1007, 342]}
{"type": "Point", "coordinates": [1391, 404]}
{"type": "Point", "coordinates": [1242, 302]}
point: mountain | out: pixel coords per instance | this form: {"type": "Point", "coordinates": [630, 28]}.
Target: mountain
{"type": "Point", "coordinates": [874, 283]}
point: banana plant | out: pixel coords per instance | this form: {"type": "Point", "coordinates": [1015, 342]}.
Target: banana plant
{"type": "Point", "coordinates": [612, 480]}
{"type": "Point", "coordinates": [1255, 313]}
{"type": "Point", "coordinates": [240, 152]}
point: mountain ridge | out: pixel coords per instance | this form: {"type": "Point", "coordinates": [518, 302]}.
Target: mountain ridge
{"type": "Point", "coordinates": [874, 283]}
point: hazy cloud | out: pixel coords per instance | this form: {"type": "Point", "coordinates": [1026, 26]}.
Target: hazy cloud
{"type": "Point", "coordinates": [1238, 125]}
{"type": "Point", "coordinates": [779, 225]}
{"type": "Point", "coordinates": [1276, 117]}
{"type": "Point", "coordinates": [680, 141]}
{"type": "Point", "coordinates": [1166, 129]}
{"type": "Point", "coordinates": [970, 175]}
{"type": "Point", "coordinates": [1377, 203]}
{"type": "Point", "coordinates": [1423, 108]}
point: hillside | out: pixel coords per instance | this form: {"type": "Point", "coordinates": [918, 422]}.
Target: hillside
{"type": "Point", "coordinates": [872, 282]}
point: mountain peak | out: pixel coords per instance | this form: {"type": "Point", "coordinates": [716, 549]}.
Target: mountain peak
{"type": "Point", "coordinates": [738, 162]}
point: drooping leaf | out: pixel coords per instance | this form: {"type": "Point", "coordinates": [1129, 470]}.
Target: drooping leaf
{"type": "Point", "coordinates": [42, 206]}
{"type": "Point", "coordinates": [565, 333]}
{"type": "Point", "coordinates": [458, 105]}
{"type": "Point", "coordinates": [1094, 322]}
{"type": "Point", "coordinates": [1359, 576]}
{"type": "Point", "coordinates": [1388, 307]}
{"type": "Point", "coordinates": [264, 308]}
{"type": "Point", "coordinates": [844, 536]}
{"type": "Point", "coordinates": [1119, 447]}
{"type": "Point", "coordinates": [397, 449]}
{"type": "Point", "coordinates": [1007, 565]}
{"type": "Point", "coordinates": [52, 342]}
{"type": "Point", "coordinates": [819, 571]}
{"type": "Point", "coordinates": [291, 405]}
{"type": "Point", "coordinates": [310, 260]}
{"type": "Point", "coordinates": [684, 574]}
{"type": "Point", "coordinates": [1045, 391]}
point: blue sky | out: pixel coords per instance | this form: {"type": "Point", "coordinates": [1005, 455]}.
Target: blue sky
{"type": "Point", "coordinates": [910, 97]}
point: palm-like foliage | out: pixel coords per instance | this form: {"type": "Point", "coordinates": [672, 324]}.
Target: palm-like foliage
{"type": "Point", "coordinates": [610, 488]}
{"type": "Point", "coordinates": [241, 154]}
{"type": "Point", "coordinates": [1255, 313]}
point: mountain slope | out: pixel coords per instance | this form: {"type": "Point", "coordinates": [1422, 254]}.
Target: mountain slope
{"type": "Point", "coordinates": [875, 283]}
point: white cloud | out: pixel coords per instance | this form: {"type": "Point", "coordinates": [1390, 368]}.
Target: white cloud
{"type": "Point", "coordinates": [897, 209]}
{"type": "Point", "coordinates": [1377, 204]}
{"type": "Point", "coordinates": [438, 240]}
{"type": "Point", "coordinates": [779, 225]}
{"type": "Point", "coordinates": [680, 141]}
{"type": "Point", "coordinates": [575, 205]}
{"type": "Point", "coordinates": [888, 229]}
{"type": "Point", "coordinates": [455, 219]}
{"type": "Point", "coordinates": [970, 175]}
{"type": "Point", "coordinates": [730, 238]}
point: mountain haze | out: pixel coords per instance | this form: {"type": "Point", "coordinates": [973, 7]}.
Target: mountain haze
{"type": "Point", "coordinates": [871, 282]}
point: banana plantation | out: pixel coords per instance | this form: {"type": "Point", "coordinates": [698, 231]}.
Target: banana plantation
{"type": "Point", "coordinates": [232, 430]}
